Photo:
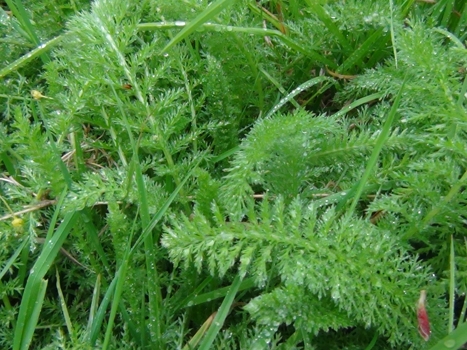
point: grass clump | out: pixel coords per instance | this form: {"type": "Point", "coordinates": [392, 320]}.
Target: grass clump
{"type": "Point", "coordinates": [235, 175]}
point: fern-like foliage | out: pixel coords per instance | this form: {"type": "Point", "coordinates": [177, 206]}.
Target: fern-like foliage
{"type": "Point", "coordinates": [427, 203]}
{"type": "Point", "coordinates": [288, 153]}
{"type": "Point", "coordinates": [322, 271]}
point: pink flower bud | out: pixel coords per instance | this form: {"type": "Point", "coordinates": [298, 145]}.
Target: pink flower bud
{"type": "Point", "coordinates": [422, 316]}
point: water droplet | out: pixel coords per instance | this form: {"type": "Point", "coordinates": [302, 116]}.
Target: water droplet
{"type": "Point", "coordinates": [450, 343]}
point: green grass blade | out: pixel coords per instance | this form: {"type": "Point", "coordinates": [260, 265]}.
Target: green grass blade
{"type": "Point", "coordinates": [343, 197]}
{"type": "Point", "coordinates": [215, 294]}
{"type": "Point", "coordinates": [324, 17]}
{"type": "Point", "coordinates": [194, 341]}
{"type": "Point", "coordinates": [95, 300]}
{"type": "Point", "coordinates": [34, 285]}
{"type": "Point", "coordinates": [435, 210]}
{"type": "Point", "coordinates": [114, 288]}
{"type": "Point", "coordinates": [22, 16]}
{"type": "Point", "coordinates": [93, 237]}
{"type": "Point", "coordinates": [66, 314]}
{"type": "Point", "coordinates": [94, 324]}
{"type": "Point", "coordinates": [383, 136]}
{"type": "Point", "coordinates": [12, 259]}
{"type": "Point", "coordinates": [464, 306]}
{"type": "Point", "coordinates": [218, 321]}
{"type": "Point", "coordinates": [452, 286]}
{"type": "Point", "coordinates": [296, 91]}
{"type": "Point", "coordinates": [311, 53]}
{"type": "Point", "coordinates": [188, 300]}
{"type": "Point", "coordinates": [54, 219]}
{"type": "Point", "coordinates": [225, 154]}
{"type": "Point", "coordinates": [454, 340]}
{"type": "Point", "coordinates": [8, 162]}
{"type": "Point", "coordinates": [30, 56]}
{"type": "Point", "coordinates": [164, 208]}
{"type": "Point", "coordinates": [248, 30]}
{"type": "Point", "coordinates": [254, 8]}
{"type": "Point", "coordinates": [154, 290]}
{"type": "Point", "coordinates": [120, 277]}
{"type": "Point", "coordinates": [101, 312]}
{"type": "Point", "coordinates": [451, 37]}
{"type": "Point", "coordinates": [393, 37]}
{"type": "Point", "coordinates": [278, 86]}
{"type": "Point", "coordinates": [52, 142]}
{"type": "Point", "coordinates": [406, 7]}
{"type": "Point", "coordinates": [462, 21]}
{"type": "Point", "coordinates": [357, 103]}
{"type": "Point", "coordinates": [448, 7]}
{"type": "Point", "coordinates": [372, 342]}
{"type": "Point", "coordinates": [356, 58]}
{"type": "Point", "coordinates": [209, 13]}
{"type": "Point", "coordinates": [31, 321]}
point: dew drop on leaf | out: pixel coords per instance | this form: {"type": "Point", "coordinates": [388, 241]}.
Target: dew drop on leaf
{"type": "Point", "coordinates": [450, 343]}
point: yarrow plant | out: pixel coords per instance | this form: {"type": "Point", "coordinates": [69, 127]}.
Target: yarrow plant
{"type": "Point", "coordinates": [233, 174]}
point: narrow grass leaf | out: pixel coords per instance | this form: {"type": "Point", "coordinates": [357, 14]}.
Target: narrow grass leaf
{"type": "Point", "coordinates": [452, 286]}
{"type": "Point", "coordinates": [154, 291]}
{"type": "Point", "coordinates": [464, 306]}
{"type": "Point", "coordinates": [296, 91]}
{"type": "Point", "coordinates": [418, 225]}
{"type": "Point", "coordinates": [383, 136]}
{"type": "Point", "coordinates": [448, 7]}
{"type": "Point", "coordinates": [54, 219]}
{"type": "Point", "coordinates": [462, 21]}
{"type": "Point", "coordinates": [93, 236]}
{"type": "Point", "coordinates": [164, 208]}
{"type": "Point", "coordinates": [357, 103]}
{"type": "Point", "coordinates": [34, 284]}
{"type": "Point", "coordinates": [194, 341]}
{"type": "Point", "coordinates": [120, 276]}
{"type": "Point", "coordinates": [66, 314]}
{"type": "Point", "coordinates": [216, 294]}
{"type": "Point", "coordinates": [254, 8]}
{"type": "Point", "coordinates": [209, 13]}
{"type": "Point", "coordinates": [226, 154]}
{"type": "Point", "coordinates": [30, 56]}
{"type": "Point", "coordinates": [61, 164]}
{"type": "Point", "coordinates": [221, 315]}
{"type": "Point", "coordinates": [94, 302]}
{"type": "Point", "coordinates": [31, 321]}
{"type": "Point", "coordinates": [455, 339]}
{"type": "Point", "coordinates": [9, 263]}
{"type": "Point", "coordinates": [8, 162]}
{"type": "Point", "coordinates": [393, 37]}
{"type": "Point", "coordinates": [312, 53]}
{"type": "Point", "coordinates": [188, 300]}
{"type": "Point", "coordinates": [16, 6]}
{"type": "Point", "coordinates": [356, 58]}
{"type": "Point", "coordinates": [372, 342]}
{"type": "Point", "coordinates": [115, 289]}
{"type": "Point", "coordinates": [451, 37]}
{"type": "Point", "coordinates": [324, 17]}
{"type": "Point", "coordinates": [342, 197]}
{"type": "Point", "coordinates": [102, 312]}
{"type": "Point", "coordinates": [278, 86]}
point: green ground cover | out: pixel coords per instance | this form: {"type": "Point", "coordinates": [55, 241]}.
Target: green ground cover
{"type": "Point", "coordinates": [233, 175]}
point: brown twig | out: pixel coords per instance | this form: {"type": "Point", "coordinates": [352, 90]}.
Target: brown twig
{"type": "Point", "coordinates": [340, 76]}
{"type": "Point", "coordinates": [66, 253]}
{"type": "Point", "coordinates": [34, 207]}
